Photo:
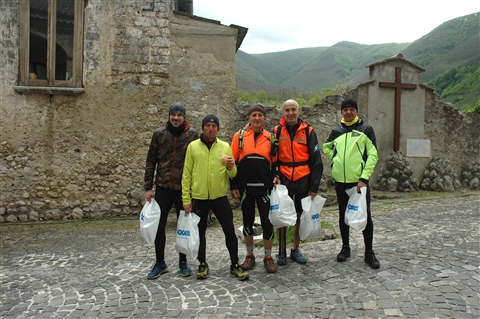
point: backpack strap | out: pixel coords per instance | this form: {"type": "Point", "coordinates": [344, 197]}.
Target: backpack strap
{"type": "Point", "coordinates": [274, 137]}
{"type": "Point", "coordinates": [307, 132]}
{"type": "Point", "coordinates": [279, 130]}
{"type": "Point", "coordinates": [241, 137]}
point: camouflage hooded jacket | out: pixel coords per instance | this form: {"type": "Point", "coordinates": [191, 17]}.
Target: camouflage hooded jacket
{"type": "Point", "coordinates": [167, 154]}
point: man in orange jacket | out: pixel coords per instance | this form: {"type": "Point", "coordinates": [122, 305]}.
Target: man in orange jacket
{"type": "Point", "coordinates": [299, 167]}
{"type": "Point", "coordinates": [252, 150]}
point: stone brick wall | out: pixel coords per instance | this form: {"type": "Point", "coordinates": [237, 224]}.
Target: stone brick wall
{"type": "Point", "coordinates": [105, 180]}
{"type": "Point", "coordinates": [73, 157]}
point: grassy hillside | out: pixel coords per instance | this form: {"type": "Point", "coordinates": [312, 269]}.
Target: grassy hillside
{"type": "Point", "coordinates": [339, 63]}
{"type": "Point", "coordinates": [460, 86]}
{"type": "Point", "coordinates": [450, 55]}
{"type": "Point", "coordinates": [452, 44]}
{"type": "Point", "coordinates": [258, 70]}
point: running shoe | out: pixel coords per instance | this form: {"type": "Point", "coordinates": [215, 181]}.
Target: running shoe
{"type": "Point", "coordinates": [157, 270]}
{"type": "Point", "coordinates": [185, 271]}
{"type": "Point", "coordinates": [238, 272]}
{"type": "Point", "coordinates": [269, 264]}
{"type": "Point", "coordinates": [297, 256]}
{"type": "Point", "coordinates": [203, 271]}
{"type": "Point", "coordinates": [249, 262]}
{"type": "Point", "coordinates": [282, 258]}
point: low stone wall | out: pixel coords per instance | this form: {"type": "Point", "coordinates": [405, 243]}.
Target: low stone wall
{"type": "Point", "coordinates": [82, 174]}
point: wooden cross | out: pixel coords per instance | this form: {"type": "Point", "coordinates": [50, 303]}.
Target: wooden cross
{"type": "Point", "coordinates": [398, 86]}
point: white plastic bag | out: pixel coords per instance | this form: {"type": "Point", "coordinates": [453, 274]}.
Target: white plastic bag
{"type": "Point", "coordinates": [356, 212]}
{"type": "Point", "coordinates": [188, 237]}
{"type": "Point", "coordinates": [282, 209]}
{"type": "Point", "coordinates": [149, 219]}
{"type": "Point", "coordinates": [310, 226]}
{"type": "Point", "coordinates": [257, 231]}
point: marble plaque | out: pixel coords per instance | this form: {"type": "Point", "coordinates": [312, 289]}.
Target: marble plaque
{"type": "Point", "coordinates": [418, 148]}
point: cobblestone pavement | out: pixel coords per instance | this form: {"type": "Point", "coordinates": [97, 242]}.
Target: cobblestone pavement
{"type": "Point", "coordinates": [428, 249]}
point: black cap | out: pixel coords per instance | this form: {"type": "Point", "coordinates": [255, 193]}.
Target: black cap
{"type": "Point", "coordinates": [210, 118]}
{"type": "Point", "coordinates": [349, 102]}
{"type": "Point", "coordinates": [177, 107]}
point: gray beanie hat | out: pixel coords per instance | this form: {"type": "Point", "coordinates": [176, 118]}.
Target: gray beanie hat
{"type": "Point", "coordinates": [177, 107]}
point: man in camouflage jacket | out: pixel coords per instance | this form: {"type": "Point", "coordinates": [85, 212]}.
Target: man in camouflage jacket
{"type": "Point", "coordinates": [164, 166]}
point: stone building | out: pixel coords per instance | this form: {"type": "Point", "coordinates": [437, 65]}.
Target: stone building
{"type": "Point", "coordinates": [84, 86]}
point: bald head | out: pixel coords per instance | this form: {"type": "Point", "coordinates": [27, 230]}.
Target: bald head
{"type": "Point", "coordinates": [291, 111]}
{"type": "Point", "coordinates": [290, 102]}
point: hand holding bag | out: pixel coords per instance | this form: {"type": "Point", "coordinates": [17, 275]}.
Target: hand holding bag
{"type": "Point", "coordinates": [188, 237]}
{"type": "Point", "coordinates": [282, 209]}
{"type": "Point", "coordinates": [356, 212]}
{"type": "Point", "coordinates": [310, 225]}
{"type": "Point", "coordinates": [149, 219]}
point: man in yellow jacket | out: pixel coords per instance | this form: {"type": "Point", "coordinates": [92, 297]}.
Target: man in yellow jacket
{"type": "Point", "coordinates": [207, 168]}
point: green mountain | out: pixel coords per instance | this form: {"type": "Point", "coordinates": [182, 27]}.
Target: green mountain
{"type": "Point", "coordinates": [450, 55]}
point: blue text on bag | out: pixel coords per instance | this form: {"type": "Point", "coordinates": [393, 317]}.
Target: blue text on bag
{"type": "Point", "coordinates": [275, 207]}
{"type": "Point", "coordinates": [353, 207]}
{"type": "Point", "coordinates": [182, 232]}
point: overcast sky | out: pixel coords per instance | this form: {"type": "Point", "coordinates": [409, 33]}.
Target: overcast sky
{"type": "Point", "coordinates": [279, 25]}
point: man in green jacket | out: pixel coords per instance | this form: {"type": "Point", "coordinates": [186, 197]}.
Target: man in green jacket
{"type": "Point", "coordinates": [353, 151]}
{"type": "Point", "coordinates": [207, 168]}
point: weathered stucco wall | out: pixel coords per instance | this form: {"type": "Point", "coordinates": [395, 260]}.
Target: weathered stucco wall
{"type": "Point", "coordinates": [381, 109]}
{"type": "Point", "coordinates": [201, 74]}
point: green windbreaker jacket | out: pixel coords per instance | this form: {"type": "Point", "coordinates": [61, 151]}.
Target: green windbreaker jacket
{"type": "Point", "coordinates": [353, 152]}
